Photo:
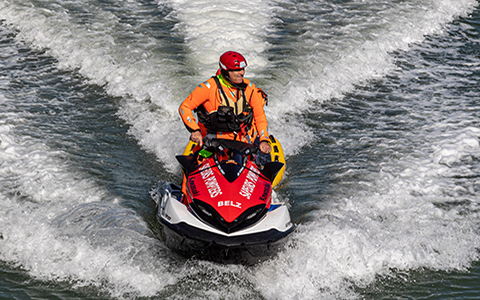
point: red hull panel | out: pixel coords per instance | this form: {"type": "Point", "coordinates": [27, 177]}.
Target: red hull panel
{"type": "Point", "coordinates": [229, 199]}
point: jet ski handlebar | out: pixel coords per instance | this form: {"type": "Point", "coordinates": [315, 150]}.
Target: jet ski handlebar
{"type": "Point", "coordinates": [221, 144]}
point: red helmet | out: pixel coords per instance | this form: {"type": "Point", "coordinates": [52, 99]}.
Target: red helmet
{"type": "Point", "coordinates": [231, 61]}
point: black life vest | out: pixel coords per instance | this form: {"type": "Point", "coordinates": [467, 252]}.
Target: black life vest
{"type": "Point", "coordinates": [227, 118]}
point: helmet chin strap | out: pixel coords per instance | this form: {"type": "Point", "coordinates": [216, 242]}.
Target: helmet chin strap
{"type": "Point", "coordinates": [226, 77]}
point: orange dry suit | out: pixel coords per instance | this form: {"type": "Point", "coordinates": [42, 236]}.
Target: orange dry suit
{"type": "Point", "coordinates": [225, 111]}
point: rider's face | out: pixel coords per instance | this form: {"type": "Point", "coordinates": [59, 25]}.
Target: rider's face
{"type": "Point", "coordinates": [236, 76]}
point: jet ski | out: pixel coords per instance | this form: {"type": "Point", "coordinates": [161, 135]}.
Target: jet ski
{"type": "Point", "coordinates": [229, 213]}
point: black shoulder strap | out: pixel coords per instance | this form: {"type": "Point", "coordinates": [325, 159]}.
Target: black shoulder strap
{"type": "Point", "coordinates": [219, 85]}
{"type": "Point", "coordinates": [244, 100]}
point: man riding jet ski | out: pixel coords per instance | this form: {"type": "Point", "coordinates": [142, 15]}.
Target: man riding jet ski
{"type": "Point", "coordinates": [225, 210]}
{"type": "Point", "coordinates": [228, 106]}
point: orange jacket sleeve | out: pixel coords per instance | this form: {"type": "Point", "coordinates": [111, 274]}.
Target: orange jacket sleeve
{"type": "Point", "coordinates": [257, 102]}
{"type": "Point", "coordinates": [199, 96]}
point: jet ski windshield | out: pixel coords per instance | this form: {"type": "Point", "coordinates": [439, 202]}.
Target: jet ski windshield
{"type": "Point", "coordinates": [230, 163]}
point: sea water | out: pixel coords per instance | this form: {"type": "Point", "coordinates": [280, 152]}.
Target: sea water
{"type": "Point", "coordinates": [375, 104]}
